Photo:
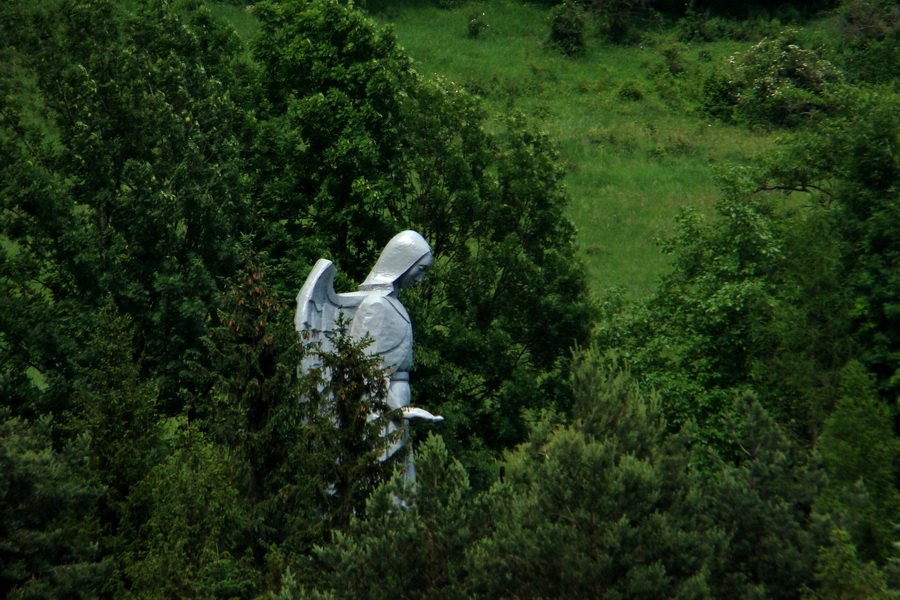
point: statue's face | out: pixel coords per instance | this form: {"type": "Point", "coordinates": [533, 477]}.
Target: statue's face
{"type": "Point", "coordinates": [415, 273]}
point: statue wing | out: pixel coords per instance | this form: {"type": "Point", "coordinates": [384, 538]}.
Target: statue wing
{"type": "Point", "coordinates": [318, 306]}
{"type": "Point", "coordinates": [317, 299]}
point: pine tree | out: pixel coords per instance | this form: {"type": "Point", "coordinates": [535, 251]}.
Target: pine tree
{"type": "Point", "coordinates": [117, 407]}
{"type": "Point", "coordinates": [861, 452]}
{"type": "Point", "coordinates": [48, 527]}
{"type": "Point", "coordinates": [410, 542]}
{"type": "Point", "coordinates": [763, 501]}
{"type": "Point", "coordinates": [843, 576]}
{"type": "Point", "coordinates": [303, 448]}
{"type": "Point", "coordinates": [191, 533]}
{"type": "Point", "coordinates": [607, 507]}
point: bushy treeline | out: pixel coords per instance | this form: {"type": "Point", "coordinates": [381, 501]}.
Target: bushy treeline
{"type": "Point", "coordinates": [609, 505]}
{"type": "Point", "coordinates": [164, 192]}
{"type": "Point", "coordinates": [860, 37]}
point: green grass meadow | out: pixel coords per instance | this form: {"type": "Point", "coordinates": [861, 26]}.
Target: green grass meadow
{"type": "Point", "coordinates": [240, 17]}
{"type": "Point", "coordinates": [623, 116]}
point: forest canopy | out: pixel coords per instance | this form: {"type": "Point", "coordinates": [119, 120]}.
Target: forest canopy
{"type": "Point", "coordinates": [167, 184]}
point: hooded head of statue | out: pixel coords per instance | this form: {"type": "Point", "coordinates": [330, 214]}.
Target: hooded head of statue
{"type": "Point", "coordinates": [405, 251]}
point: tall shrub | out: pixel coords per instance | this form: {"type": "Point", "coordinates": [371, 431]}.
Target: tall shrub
{"type": "Point", "coordinates": [775, 82]}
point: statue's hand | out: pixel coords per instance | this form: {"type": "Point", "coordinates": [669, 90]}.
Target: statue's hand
{"type": "Point", "coordinates": [413, 413]}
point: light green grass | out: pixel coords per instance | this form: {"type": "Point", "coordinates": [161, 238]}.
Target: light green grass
{"type": "Point", "coordinates": [631, 165]}
{"type": "Point", "coordinates": [240, 17]}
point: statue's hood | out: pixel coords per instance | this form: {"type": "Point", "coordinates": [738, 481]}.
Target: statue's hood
{"type": "Point", "coordinates": [401, 253]}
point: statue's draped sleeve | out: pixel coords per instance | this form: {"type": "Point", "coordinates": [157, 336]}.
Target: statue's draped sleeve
{"type": "Point", "coordinates": [385, 320]}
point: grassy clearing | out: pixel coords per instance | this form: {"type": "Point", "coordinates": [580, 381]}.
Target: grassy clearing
{"type": "Point", "coordinates": [634, 151]}
{"type": "Point", "coordinates": [240, 17]}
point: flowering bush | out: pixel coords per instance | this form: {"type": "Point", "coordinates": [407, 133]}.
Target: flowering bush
{"type": "Point", "coordinates": [477, 24]}
{"type": "Point", "coordinates": [567, 23]}
{"type": "Point", "coordinates": [774, 82]}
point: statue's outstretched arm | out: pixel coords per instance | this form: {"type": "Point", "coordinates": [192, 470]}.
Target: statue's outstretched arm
{"type": "Point", "coordinates": [414, 413]}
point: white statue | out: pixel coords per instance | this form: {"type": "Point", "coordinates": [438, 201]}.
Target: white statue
{"type": "Point", "coordinates": [376, 311]}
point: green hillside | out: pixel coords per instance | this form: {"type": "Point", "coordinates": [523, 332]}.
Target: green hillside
{"type": "Point", "coordinates": [631, 162]}
{"type": "Point", "coordinates": [632, 159]}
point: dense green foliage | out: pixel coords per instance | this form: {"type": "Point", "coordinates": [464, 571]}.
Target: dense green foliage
{"type": "Point", "coordinates": [165, 188]}
{"type": "Point", "coordinates": [373, 149]}
{"type": "Point", "coordinates": [608, 506]}
{"type": "Point", "coordinates": [48, 536]}
{"type": "Point", "coordinates": [100, 154]}
{"type": "Point", "coordinates": [567, 23]}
